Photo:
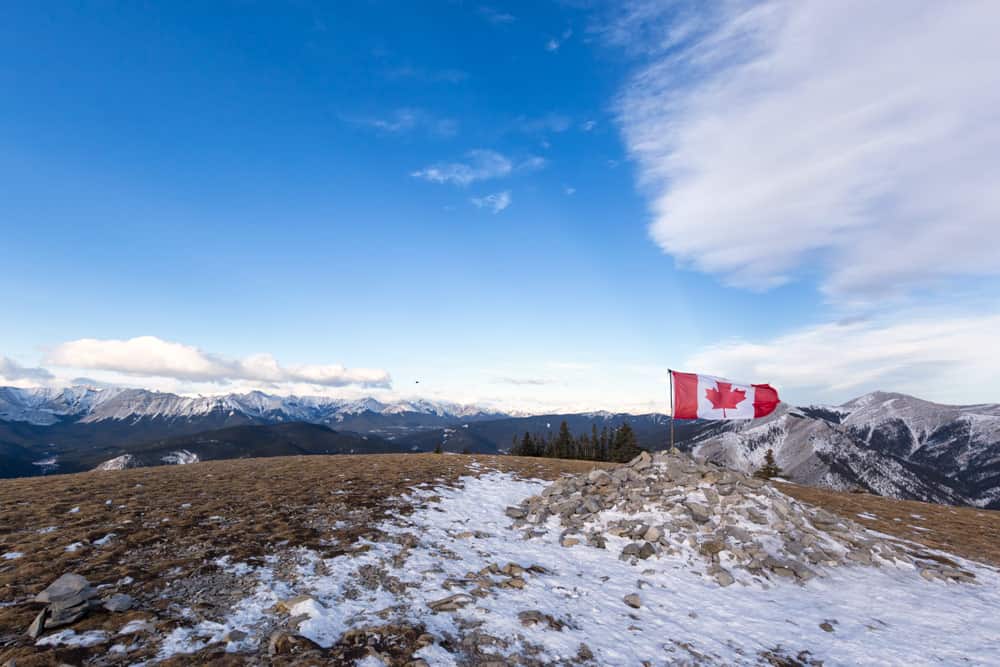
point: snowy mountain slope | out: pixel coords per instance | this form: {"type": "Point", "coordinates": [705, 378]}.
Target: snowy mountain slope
{"type": "Point", "coordinates": [890, 444]}
{"type": "Point", "coordinates": [47, 406]}
{"type": "Point", "coordinates": [91, 405]}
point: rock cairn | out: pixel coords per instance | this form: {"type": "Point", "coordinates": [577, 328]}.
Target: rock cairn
{"type": "Point", "coordinates": [728, 525]}
{"type": "Point", "coordinates": [68, 599]}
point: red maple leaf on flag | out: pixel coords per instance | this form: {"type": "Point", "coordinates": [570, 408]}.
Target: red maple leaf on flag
{"type": "Point", "coordinates": [724, 396]}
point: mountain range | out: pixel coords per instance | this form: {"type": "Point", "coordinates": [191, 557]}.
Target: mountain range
{"type": "Point", "coordinates": [889, 444]}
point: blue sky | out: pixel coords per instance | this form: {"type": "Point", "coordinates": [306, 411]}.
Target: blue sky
{"type": "Point", "coordinates": [531, 205]}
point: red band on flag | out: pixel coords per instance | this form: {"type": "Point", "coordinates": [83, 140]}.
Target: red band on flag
{"type": "Point", "coordinates": [765, 400]}
{"type": "Point", "coordinates": [685, 395]}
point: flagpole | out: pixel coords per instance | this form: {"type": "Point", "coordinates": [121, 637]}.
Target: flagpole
{"type": "Point", "coordinates": [671, 409]}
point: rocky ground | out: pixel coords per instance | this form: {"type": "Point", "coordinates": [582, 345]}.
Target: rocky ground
{"type": "Point", "coordinates": [431, 559]}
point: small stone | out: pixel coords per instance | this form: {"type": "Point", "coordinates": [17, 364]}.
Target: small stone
{"type": "Point", "coordinates": [570, 541]}
{"type": "Point", "coordinates": [633, 600]}
{"type": "Point", "coordinates": [451, 603]}
{"type": "Point", "coordinates": [599, 477]}
{"type": "Point", "coordinates": [118, 603]}
{"type": "Point", "coordinates": [652, 534]}
{"type": "Point", "coordinates": [530, 617]}
{"type": "Point", "coordinates": [516, 512]}
{"type": "Point", "coordinates": [641, 462]}
{"type": "Point", "coordinates": [235, 636]}
{"type": "Point", "coordinates": [699, 512]}
{"type": "Point", "coordinates": [37, 626]}
{"type": "Point", "coordinates": [286, 606]}
{"type": "Point", "coordinates": [712, 547]}
{"type": "Point", "coordinates": [646, 551]}
{"type": "Point", "coordinates": [631, 549]}
{"type": "Point", "coordinates": [724, 578]}
{"type": "Point", "coordinates": [285, 643]}
{"type": "Point", "coordinates": [826, 627]}
{"type": "Point", "coordinates": [592, 505]}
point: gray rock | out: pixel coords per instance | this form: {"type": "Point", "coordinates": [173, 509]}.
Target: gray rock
{"type": "Point", "coordinates": [66, 612]}
{"type": "Point", "coordinates": [592, 505]}
{"type": "Point", "coordinates": [118, 603]}
{"type": "Point", "coordinates": [632, 549]}
{"type": "Point", "coordinates": [37, 626]}
{"type": "Point", "coordinates": [646, 551]}
{"type": "Point", "coordinates": [599, 477]}
{"type": "Point", "coordinates": [68, 586]}
{"type": "Point", "coordinates": [451, 603]}
{"type": "Point", "coordinates": [699, 512]}
{"type": "Point", "coordinates": [516, 512]}
{"type": "Point", "coordinates": [235, 636]}
{"type": "Point", "coordinates": [633, 600]}
{"type": "Point", "coordinates": [724, 578]}
{"type": "Point", "coordinates": [642, 462]}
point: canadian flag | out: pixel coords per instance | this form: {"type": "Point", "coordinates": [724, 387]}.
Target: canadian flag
{"type": "Point", "coordinates": [706, 397]}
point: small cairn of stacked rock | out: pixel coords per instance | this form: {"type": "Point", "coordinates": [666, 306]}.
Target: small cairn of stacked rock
{"type": "Point", "coordinates": [730, 526]}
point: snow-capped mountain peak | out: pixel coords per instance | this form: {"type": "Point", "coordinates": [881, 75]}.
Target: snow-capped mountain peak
{"type": "Point", "coordinates": [90, 405]}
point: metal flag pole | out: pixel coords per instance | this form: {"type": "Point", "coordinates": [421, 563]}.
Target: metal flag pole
{"type": "Point", "coordinates": [671, 372]}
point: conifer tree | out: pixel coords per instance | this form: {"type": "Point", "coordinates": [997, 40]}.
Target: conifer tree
{"type": "Point", "coordinates": [564, 442]}
{"type": "Point", "coordinates": [528, 446]}
{"type": "Point", "coordinates": [770, 468]}
{"type": "Point", "coordinates": [624, 447]}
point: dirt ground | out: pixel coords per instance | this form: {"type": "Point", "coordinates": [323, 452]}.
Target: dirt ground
{"type": "Point", "coordinates": [171, 523]}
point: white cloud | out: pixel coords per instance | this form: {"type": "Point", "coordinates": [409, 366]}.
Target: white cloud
{"type": "Point", "coordinates": [481, 165]}
{"type": "Point", "coordinates": [149, 356]}
{"type": "Point", "coordinates": [495, 202]}
{"type": "Point", "coordinates": [852, 138]}
{"type": "Point", "coordinates": [947, 359]}
{"type": "Point", "coordinates": [12, 371]}
{"type": "Point", "coordinates": [550, 122]}
{"type": "Point", "coordinates": [554, 43]}
{"type": "Point", "coordinates": [402, 121]}
{"type": "Point", "coordinates": [588, 125]}
{"type": "Point", "coordinates": [569, 190]}
{"type": "Point", "coordinates": [532, 163]}
{"type": "Point", "coordinates": [496, 17]}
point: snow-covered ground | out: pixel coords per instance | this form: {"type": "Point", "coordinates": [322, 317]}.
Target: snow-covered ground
{"type": "Point", "coordinates": [849, 616]}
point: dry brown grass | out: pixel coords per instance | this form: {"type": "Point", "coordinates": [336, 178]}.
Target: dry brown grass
{"type": "Point", "coordinates": [248, 508]}
{"type": "Point", "coordinates": [965, 531]}
{"type": "Point", "coordinates": [242, 508]}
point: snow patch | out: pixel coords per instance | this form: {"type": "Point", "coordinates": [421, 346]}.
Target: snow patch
{"type": "Point", "coordinates": [180, 458]}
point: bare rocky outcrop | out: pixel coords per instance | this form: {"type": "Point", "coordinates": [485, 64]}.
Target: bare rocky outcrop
{"type": "Point", "coordinates": [731, 526]}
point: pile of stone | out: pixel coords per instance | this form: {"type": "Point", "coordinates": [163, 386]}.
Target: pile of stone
{"type": "Point", "coordinates": [728, 525]}
{"type": "Point", "coordinates": [68, 599]}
